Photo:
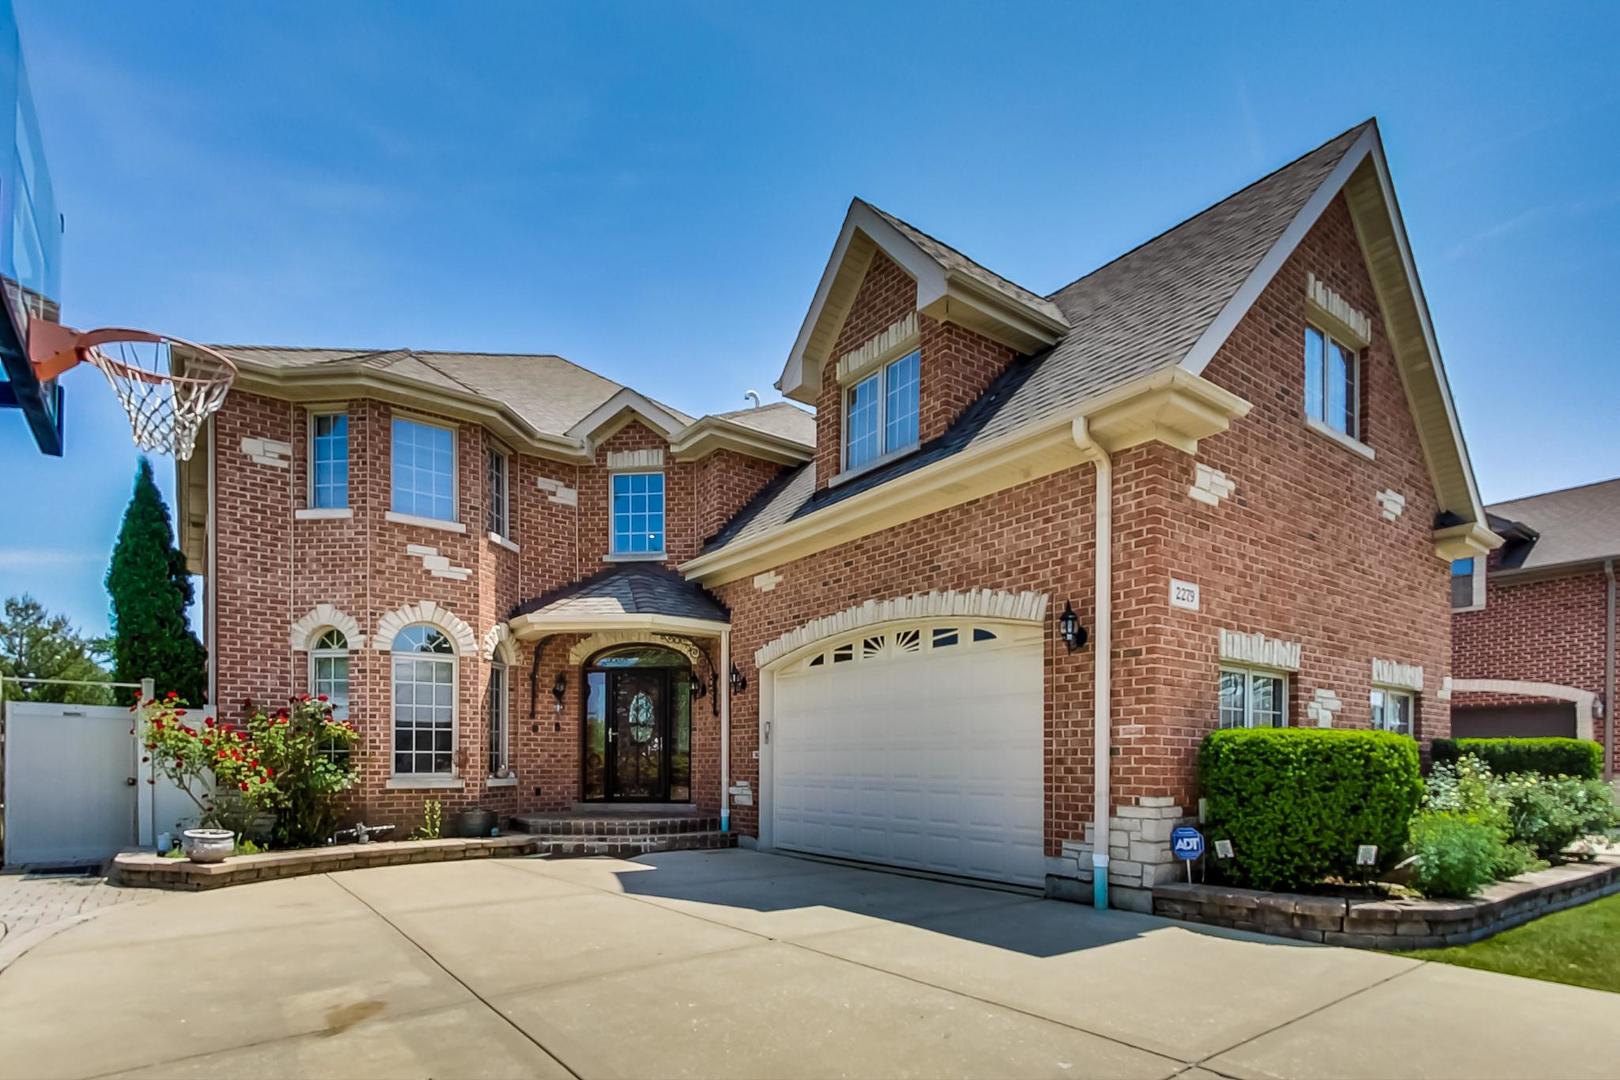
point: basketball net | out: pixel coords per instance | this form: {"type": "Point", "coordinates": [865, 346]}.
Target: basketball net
{"type": "Point", "coordinates": [168, 387]}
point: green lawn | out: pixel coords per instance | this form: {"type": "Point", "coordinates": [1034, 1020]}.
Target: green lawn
{"type": "Point", "coordinates": [1580, 946]}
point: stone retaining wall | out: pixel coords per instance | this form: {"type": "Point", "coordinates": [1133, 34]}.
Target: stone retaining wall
{"type": "Point", "coordinates": [143, 870]}
{"type": "Point", "coordinates": [1392, 924]}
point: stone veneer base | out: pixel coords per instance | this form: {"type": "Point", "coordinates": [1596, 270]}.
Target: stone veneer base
{"type": "Point", "coordinates": [146, 870]}
{"type": "Point", "coordinates": [1392, 924]}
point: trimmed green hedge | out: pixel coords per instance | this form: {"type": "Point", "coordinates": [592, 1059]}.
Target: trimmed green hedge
{"type": "Point", "coordinates": [1580, 758]}
{"type": "Point", "coordinates": [1297, 802]}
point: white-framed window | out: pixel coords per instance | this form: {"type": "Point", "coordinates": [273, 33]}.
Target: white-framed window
{"type": "Point", "coordinates": [329, 675]}
{"type": "Point", "coordinates": [497, 493]}
{"type": "Point", "coordinates": [329, 461]}
{"type": "Point", "coordinates": [1332, 383]}
{"type": "Point", "coordinates": [424, 702]}
{"type": "Point", "coordinates": [638, 513]}
{"type": "Point", "coordinates": [498, 728]}
{"type": "Point", "coordinates": [329, 671]}
{"type": "Point", "coordinates": [880, 412]}
{"type": "Point", "coordinates": [1393, 710]}
{"type": "Point", "coordinates": [1253, 698]}
{"type": "Point", "coordinates": [424, 469]}
{"type": "Point", "coordinates": [1463, 595]}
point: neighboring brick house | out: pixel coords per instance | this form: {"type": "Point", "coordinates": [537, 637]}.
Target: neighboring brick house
{"type": "Point", "coordinates": [1533, 638]}
{"type": "Point", "coordinates": [1029, 552]}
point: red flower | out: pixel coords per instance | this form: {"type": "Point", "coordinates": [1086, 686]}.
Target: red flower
{"type": "Point", "coordinates": [171, 695]}
{"type": "Point", "coordinates": [179, 712]}
{"type": "Point", "coordinates": [268, 772]}
{"type": "Point", "coordinates": [208, 721]}
{"type": "Point", "coordinates": [244, 785]}
{"type": "Point", "coordinates": [322, 697]}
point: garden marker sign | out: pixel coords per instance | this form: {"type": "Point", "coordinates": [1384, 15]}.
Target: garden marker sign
{"type": "Point", "coordinates": [1186, 844]}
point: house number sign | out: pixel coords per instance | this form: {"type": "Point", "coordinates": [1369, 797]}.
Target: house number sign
{"type": "Point", "coordinates": [1183, 594]}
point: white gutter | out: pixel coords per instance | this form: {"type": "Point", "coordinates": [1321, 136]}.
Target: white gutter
{"type": "Point", "coordinates": [723, 677]}
{"type": "Point", "coordinates": [1102, 645]}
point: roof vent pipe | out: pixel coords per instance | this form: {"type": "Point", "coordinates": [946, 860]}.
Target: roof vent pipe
{"type": "Point", "coordinates": [752, 395]}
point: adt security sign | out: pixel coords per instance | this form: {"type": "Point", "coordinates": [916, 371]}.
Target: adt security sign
{"type": "Point", "coordinates": [1186, 844]}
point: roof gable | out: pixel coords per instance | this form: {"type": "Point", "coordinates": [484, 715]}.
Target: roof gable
{"type": "Point", "coordinates": [1362, 174]}
{"type": "Point", "coordinates": [950, 287]}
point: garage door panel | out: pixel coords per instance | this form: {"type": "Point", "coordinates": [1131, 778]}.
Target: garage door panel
{"type": "Point", "coordinates": [931, 760]}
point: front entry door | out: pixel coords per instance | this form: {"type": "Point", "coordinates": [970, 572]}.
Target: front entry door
{"type": "Point", "coordinates": [638, 734]}
{"type": "Point", "coordinates": [636, 739]}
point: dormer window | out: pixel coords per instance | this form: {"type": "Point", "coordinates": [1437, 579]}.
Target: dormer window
{"type": "Point", "coordinates": [880, 413]}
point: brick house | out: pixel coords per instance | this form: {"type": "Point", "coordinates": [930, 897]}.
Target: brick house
{"type": "Point", "coordinates": [1027, 553]}
{"type": "Point", "coordinates": [1533, 626]}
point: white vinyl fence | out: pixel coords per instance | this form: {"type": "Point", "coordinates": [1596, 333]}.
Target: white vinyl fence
{"type": "Point", "coordinates": [76, 791]}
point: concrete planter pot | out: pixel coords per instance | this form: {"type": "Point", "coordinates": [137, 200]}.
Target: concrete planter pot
{"type": "Point", "coordinates": [208, 845]}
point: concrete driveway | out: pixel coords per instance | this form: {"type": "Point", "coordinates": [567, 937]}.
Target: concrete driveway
{"type": "Point", "coordinates": [739, 964]}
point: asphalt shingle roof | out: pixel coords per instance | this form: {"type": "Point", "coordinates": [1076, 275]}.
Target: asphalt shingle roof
{"type": "Point", "coordinates": [548, 392]}
{"type": "Point", "coordinates": [628, 589]}
{"type": "Point", "coordinates": [1140, 313]}
{"type": "Point", "coordinates": [1577, 525]}
{"type": "Point", "coordinates": [780, 418]}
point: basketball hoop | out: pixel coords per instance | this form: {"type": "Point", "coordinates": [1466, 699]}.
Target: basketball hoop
{"type": "Point", "coordinates": [166, 385]}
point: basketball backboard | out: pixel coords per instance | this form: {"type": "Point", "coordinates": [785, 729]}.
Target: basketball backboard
{"type": "Point", "coordinates": [30, 245]}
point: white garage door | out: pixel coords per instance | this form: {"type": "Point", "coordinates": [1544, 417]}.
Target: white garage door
{"type": "Point", "coordinates": [915, 745]}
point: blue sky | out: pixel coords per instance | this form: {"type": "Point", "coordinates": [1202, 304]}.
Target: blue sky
{"type": "Point", "coordinates": [652, 190]}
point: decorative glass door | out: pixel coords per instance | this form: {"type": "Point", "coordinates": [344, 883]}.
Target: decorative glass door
{"type": "Point", "coordinates": [636, 735]}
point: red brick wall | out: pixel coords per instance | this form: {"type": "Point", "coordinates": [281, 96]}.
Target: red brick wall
{"type": "Point", "coordinates": [1300, 552]}
{"type": "Point", "coordinates": [726, 481]}
{"type": "Point", "coordinates": [1550, 630]}
{"type": "Point", "coordinates": [955, 367]}
{"type": "Point", "coordinates": [271, 569]}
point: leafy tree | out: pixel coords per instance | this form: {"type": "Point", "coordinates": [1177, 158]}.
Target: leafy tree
{"type": "Point", "coordinates": [35, 644]}
{"type": "Point", "coordinates": [150, 592]}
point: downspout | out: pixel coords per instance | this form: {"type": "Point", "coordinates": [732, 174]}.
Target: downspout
{"type": "Point", "coordinates": [724, 690]}
{"type": "Point", "coordinates": [1608, 680]}
{"type": "Point", "coordinates": [1101, 663]}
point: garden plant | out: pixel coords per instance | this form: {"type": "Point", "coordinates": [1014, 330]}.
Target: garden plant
{"type": "Point", "coordinates": [292, 763]}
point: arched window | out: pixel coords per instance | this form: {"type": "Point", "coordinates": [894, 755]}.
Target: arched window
{"type": "Point", "coordinates": [424, 702]}
{"type": "Point", "coordinates": [329, 671]}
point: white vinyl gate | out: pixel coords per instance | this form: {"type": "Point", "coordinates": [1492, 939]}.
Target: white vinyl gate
{"type": "Point", "coordinates": [76, 791]}
{"type": "Point", "coordinates": [917, 746]}
{"type": "Point", "coordinates": [72, 775]}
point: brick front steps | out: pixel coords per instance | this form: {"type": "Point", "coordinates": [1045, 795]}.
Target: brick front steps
{"type": "Point", "coordinates": [1392, 924]}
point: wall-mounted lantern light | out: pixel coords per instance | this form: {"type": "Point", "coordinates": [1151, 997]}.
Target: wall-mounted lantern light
{"type": "Point", "coordinates": [559, 688]}
{"type": "Point", "coordinates": [1069, 628]}
{"type": "Point", "coordinates": [738, 683]}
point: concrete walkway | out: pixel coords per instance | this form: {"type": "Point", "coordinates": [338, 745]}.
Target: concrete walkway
{"type": "Point", "coordinates": [737, 964]}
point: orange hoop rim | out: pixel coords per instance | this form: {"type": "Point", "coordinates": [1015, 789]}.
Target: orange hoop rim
{"type": "Point", "coordinates": [64, 348]}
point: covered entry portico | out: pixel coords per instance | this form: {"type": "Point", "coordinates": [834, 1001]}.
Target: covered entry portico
{"type": "Point", "coordinates": [647, 654]}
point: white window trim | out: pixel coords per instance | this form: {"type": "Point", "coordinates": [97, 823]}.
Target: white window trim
{"type": "Point", "coordinates": [311, 512]}
{"type": "Point", "coordinates": [637, 556]}
{"type": "Point", "coordinates": [1477, 587]}
{"type": "Point", "coordinates": [1400, 691]}
{"type": "Point", "coordinates": [505, 530]}
{"type": "Point", "coordinates": [455, 476]}
{"type": "Point", "coordinates": [1350, 441]}
{"type": "Point", "coordinates": [506, 723]}
{"type": "Point", "coordinates": [885, 453]}
{"type": "Point", "coordinates": [1250, 671]}
{"type": "Point", "coordinates": [452, 779]}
